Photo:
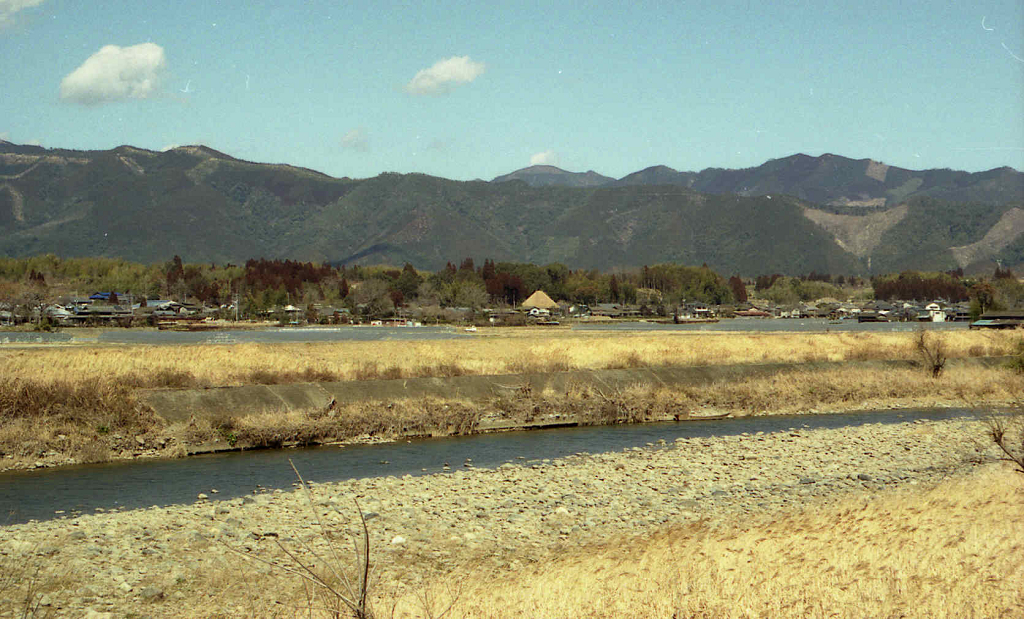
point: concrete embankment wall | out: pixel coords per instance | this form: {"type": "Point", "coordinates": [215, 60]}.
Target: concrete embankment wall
{"type": "Point", "coordinates": [180, 404]}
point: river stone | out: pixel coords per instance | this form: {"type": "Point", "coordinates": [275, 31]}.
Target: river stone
{"type": "Point", "coordinates": [576, 498]}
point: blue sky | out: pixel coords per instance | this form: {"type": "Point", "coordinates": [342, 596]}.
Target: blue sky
{"type": "Point", "coordinates": [475, 90]}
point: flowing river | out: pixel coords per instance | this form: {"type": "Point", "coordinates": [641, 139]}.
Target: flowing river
{"type": "Point", "coordinates": [45, 494]}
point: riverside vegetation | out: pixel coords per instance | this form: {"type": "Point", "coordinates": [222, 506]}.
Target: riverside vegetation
{"type": "Point", "coordinates": [79, 404]}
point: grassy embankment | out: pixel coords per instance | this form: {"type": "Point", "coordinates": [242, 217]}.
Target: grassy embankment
{"type": "Point", "coordinates": [71, 402]}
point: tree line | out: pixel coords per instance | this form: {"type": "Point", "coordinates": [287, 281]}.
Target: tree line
{"type": "Point", "coordinates": [261, 284]}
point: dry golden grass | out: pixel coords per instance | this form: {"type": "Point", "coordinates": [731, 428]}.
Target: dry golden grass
{"type": "Point", "coordinates": [500, 351]}
{"type": "Point", "coordinates": [949, 551]}
{"type": "Point", "coordinates": [96, 421]}
{"type": "Point", "coordinates": [828, 390]}
{"type": "Point", "coordinates": [953, 551]}
{"type": "Point", "coordinates": [427, 416]}
{"type": "Point", "coordinates": [78, 402]}
{"type": "Point", "coordinates": [88, 419]}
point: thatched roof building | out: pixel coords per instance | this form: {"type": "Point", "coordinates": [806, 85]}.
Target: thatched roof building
{"type": "Point", "coordinates": [541, 300]}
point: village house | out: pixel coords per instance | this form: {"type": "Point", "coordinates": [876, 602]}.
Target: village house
{"type": "Point", "coordinates": [540, 302]}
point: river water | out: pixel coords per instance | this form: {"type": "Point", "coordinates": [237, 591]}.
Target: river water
{"type": "Point", "coordinates": [774, 325]}
{"type": "Point", "coordinates": [274, 335]}
{"type": "Point", "coordinates": [46, 494]}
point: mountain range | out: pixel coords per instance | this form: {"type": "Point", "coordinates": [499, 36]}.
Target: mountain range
{"type": "Point", "coordinates": [827, 180]}
{"type": "Point", "coordinates": [791, 215]}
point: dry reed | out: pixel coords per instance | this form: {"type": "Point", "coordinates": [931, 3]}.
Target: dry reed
{"type": "Point", "coordinates": [503, 353]}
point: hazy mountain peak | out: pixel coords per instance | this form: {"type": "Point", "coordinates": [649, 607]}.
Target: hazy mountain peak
{"type": "Point", "coordinates": [549, 175]}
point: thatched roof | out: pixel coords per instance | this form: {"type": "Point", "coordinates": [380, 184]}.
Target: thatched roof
{"type": "Point", "coordinates": [539, 299]}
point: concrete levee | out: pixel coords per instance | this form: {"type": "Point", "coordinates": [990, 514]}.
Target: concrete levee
{"type": "Point", "coordinates": [180, 404]}
{"type": "Point", "coordinates": [176, 405]}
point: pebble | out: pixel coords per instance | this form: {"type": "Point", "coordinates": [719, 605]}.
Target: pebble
{"type": "Point", "coordinates": [512, 510]}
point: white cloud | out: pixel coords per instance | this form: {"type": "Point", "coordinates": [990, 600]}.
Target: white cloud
{"type": "Point", "coordinates": [547, 157]}
{"type": "Point", "coordinates": [169, 147]}
{"type": "Point", "coordinates": [8, 8]}
{"type": "Point", "coordinates": [445, 75]}
{"type": "Point", "coordinates": [115, 73]}
{"type": "Point", "coordinates": [356, 139]}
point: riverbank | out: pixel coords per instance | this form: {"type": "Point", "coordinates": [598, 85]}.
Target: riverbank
{"type": "Point", "coordinates": [93, 423]}
{"type": "Point", "coordinates": [868, 519]}
{"type": "Point", "coordinates": [66, 406]}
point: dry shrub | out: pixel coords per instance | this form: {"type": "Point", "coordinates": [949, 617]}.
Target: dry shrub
{"type": "Point", "coordinates": [334, 581]}
{"type": "Point", "coordinates": [263, 376]}
{"type": "Point", "coordinates": [420, 416]}
{"type": "Point", "coordinates": [367, 370]}
{"type": "Point", "coordinates": [636, 403]}
{"type": "Point", "coordinates": [371, 370]}
{"type": "Point", "coordinates": [393, 372]}
{"type": "Point", "coordinates": [520, 364]}
{"type": "Point", "coordinates": [27, 577]}
{"type": "Point", "coordinates": [90, 451]}
{"type": "Point", "coordinates": [1007, 432]}
{"type": "Point", "coordinates": [540, 363]}
{"type": "Point", "coordinates": [174, 379]}
{"type": "Point", "coordinates": [162, 378]}
{"type": "Point", "coordinates": [279, 429]}
{"type": "Point", "coordinates": [406, 417]}
{"type": "Point", "coordinates": [1017, 362]}
{"type": "Point", "coordinates": [859, 350]}
{"type": "Point", "coordinates": [587, 404]}
{"type": "Point", "coordinates": [559, 362]}
{"type": "Point", "coordinates": [195, 432]}
{"type": "Point", "coordinates": [442, 369]}
{"type": "Point", "coordinates": [632, 359]}
{"type": "Point", "coordinates": [66, 416]}
{"type": "Point", "coordinates": [931, 350]}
